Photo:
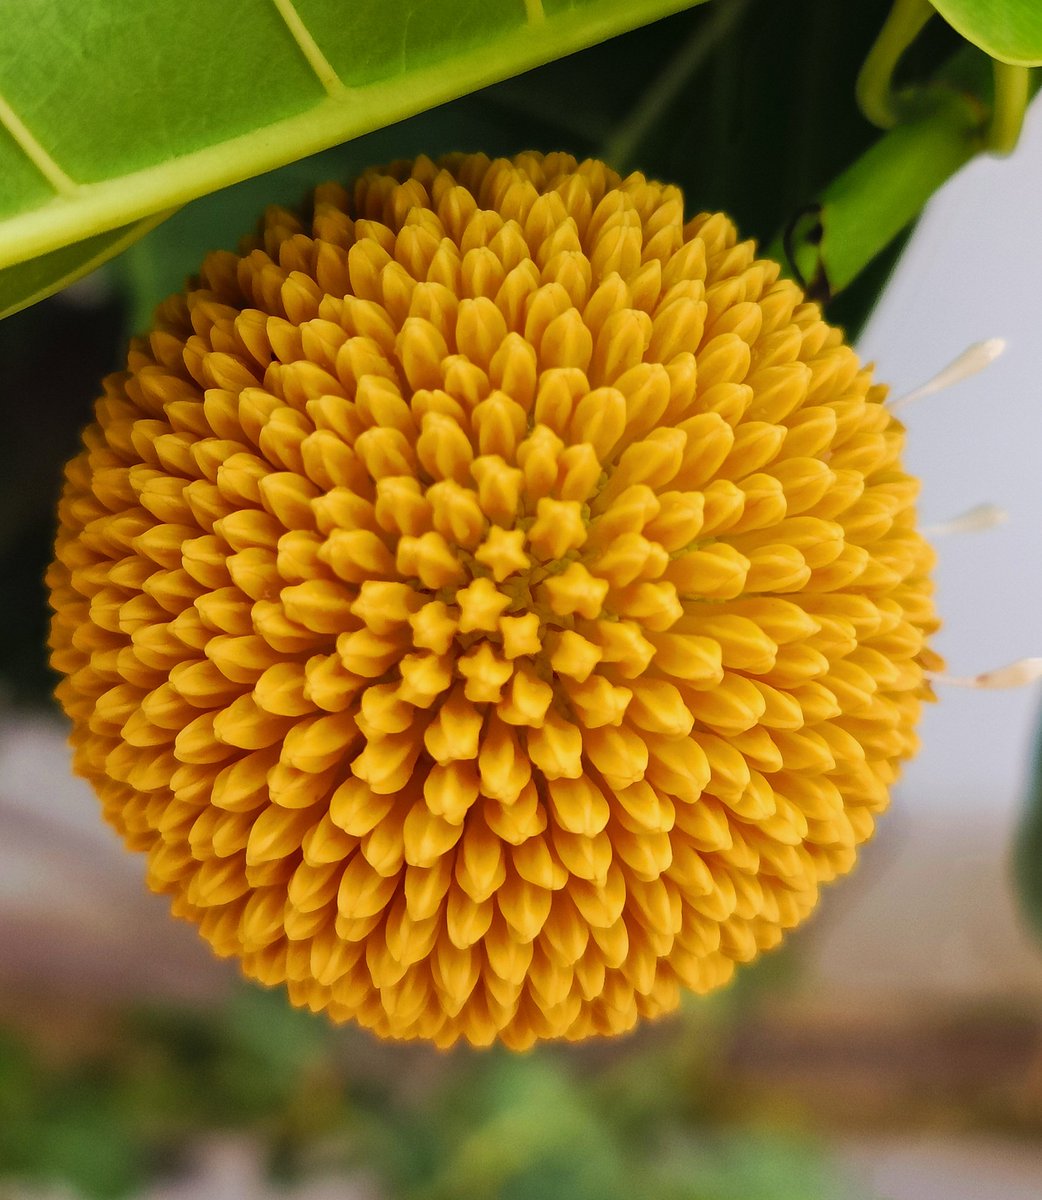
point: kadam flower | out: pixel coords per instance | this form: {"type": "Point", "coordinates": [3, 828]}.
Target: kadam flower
{"type": "Point", "coordinates": [492, 602]}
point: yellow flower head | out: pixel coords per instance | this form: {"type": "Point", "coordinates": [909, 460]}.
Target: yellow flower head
{"type": "Point", "coordinates": [492, 602]}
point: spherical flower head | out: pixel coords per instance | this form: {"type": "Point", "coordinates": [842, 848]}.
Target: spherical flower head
{"type": "Point", "coordinates": [492, 602]}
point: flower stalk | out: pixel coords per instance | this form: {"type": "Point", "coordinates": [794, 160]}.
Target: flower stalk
{"type": "Point", "coordinates": [875, 84]}
{"type": "Point", "coordinates": [1012, 92]}
{"type": "Point", "coordinates": [859, 214]}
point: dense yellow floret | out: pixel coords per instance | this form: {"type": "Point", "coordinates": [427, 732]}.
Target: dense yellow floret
{"type": "Point", "coordinates": [491, 602]}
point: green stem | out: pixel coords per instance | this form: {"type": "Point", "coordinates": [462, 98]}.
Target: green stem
{"type": "Point", "coordinates": [621, 150]}
{"type": "Point", "coordinates": [865, 208]}
{"type": "Point", "coordinates": [874, 88]}
{"type": "Point", "coordinates": [862, 211]}
{"type": "Point", "coordinates": [1012, 87]}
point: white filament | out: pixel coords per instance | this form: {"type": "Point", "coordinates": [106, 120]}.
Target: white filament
{"type": "Point", "coordinates": [973, 359]}
{"type": "Point", "coordinates": [1016, 674]}
{"type": "Point", "coordinates": [975, 520]}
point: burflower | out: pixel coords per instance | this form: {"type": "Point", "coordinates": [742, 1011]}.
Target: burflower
{"type": "Point", "coordinates": [492, 602]}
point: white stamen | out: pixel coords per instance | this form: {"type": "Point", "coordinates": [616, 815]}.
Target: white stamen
{"type": "Point", "coordinates": [1017, 674]}
{"type": "Point", "coordinates": [969, 362]}
{"type": "Point", "coordinates": [975, 520]}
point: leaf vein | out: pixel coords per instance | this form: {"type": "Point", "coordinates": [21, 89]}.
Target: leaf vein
{"type": "Point", "coordinates": [34, 151]}
{"type": "Point", "coordinates": [534, 12]}
{"type": "Point", "coordinates": [318, 62]}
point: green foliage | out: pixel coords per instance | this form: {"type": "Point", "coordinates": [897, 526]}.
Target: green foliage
{"type": "Point", "coordinates": [637, 1118]}
{"type": "Point", "coordinates": [103, 1122]}
{"type": "Point", "coordinates": [544, 1128]}
{"type": "Point", "coordinates": [236, 1067]}
{"type": "Point", "coordinates": [521, 1129]}
{"type": "Point", "coordinates": [1009, 30]}
{"type": "Point", "coordinates": [65, 1127]}
{"type": "Point", "coordinates": [90, 146]}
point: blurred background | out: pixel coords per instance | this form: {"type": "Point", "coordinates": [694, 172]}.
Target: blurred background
{"type": "Point", "coordinates": [892, 1050]}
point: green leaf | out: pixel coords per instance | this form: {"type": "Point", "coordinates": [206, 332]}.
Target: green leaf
{"type": "Point", "coordinates": [111, 113]}
{"type": "Point", "coordinates": [27, 282]}
{"type": "Point", "coordinates": [1009, 30]}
